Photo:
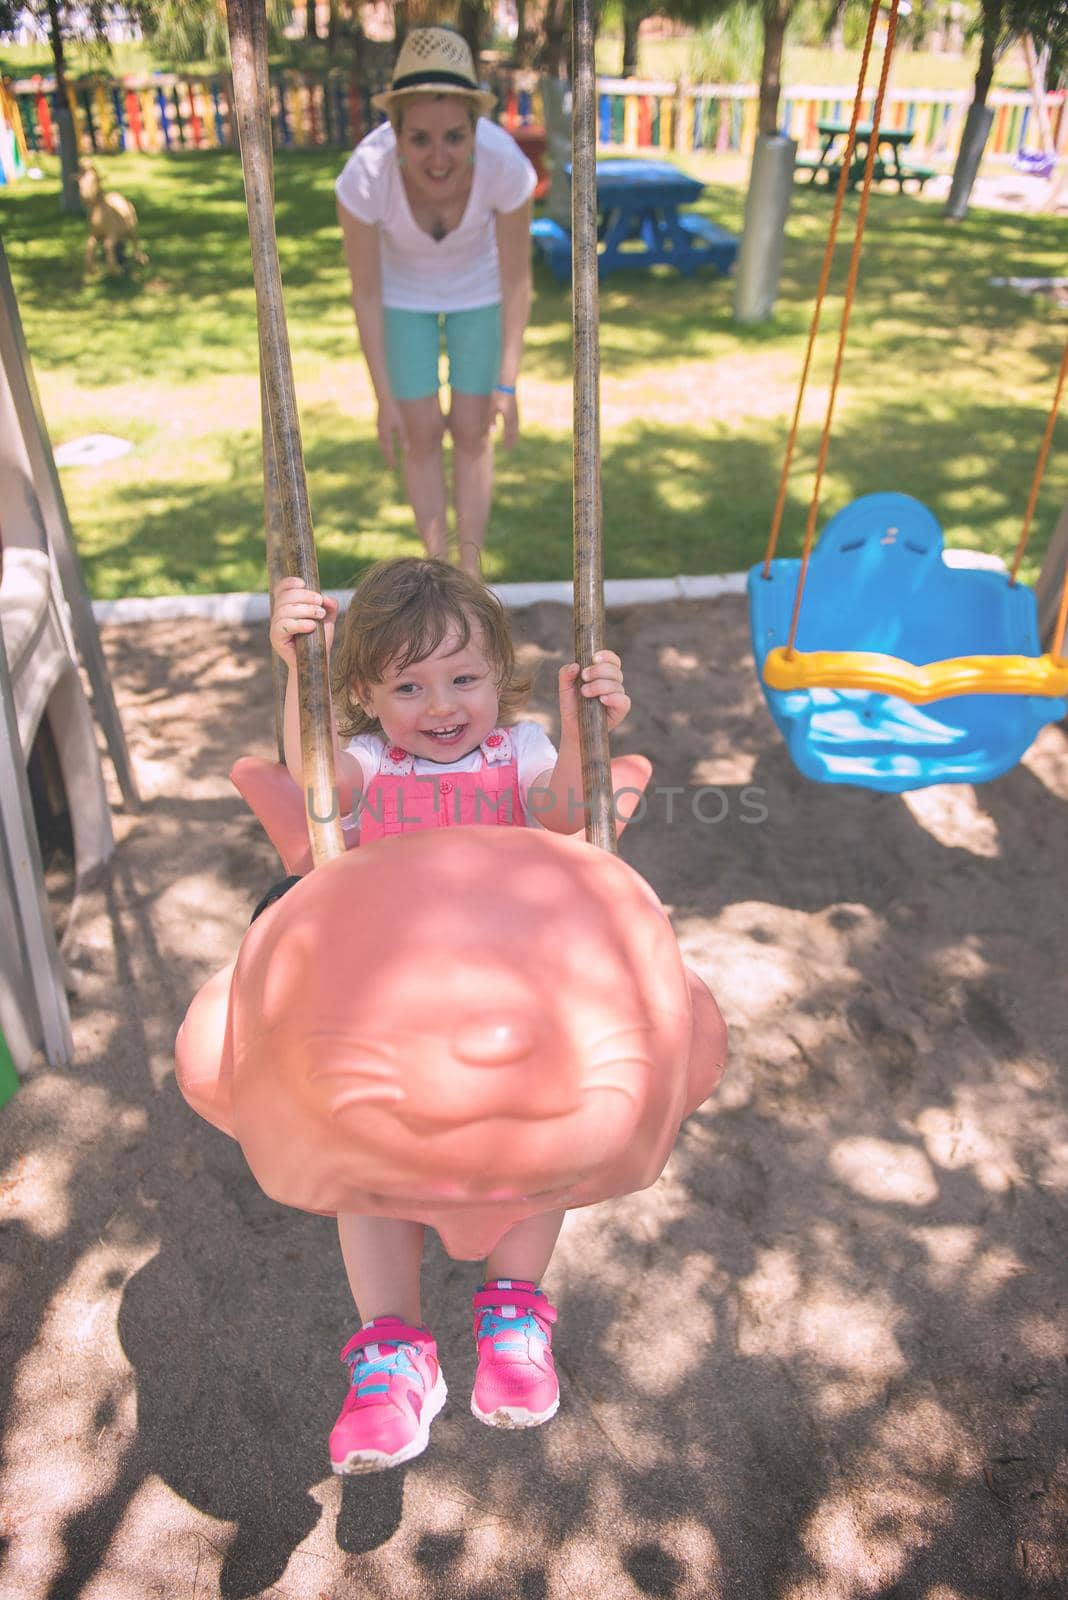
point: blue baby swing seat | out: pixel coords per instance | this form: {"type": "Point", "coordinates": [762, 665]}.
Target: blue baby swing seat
{"type": "Point", "coordinates": [877, 582]}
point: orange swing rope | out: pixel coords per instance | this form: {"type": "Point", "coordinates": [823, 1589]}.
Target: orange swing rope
{"type": "Point", "coordinates": [785, 668]}
{"type": "Point", "coordinates": [1044, 675]}
{"type": "Point", "coordinates": [821, 291]}
{"type": "Point", "coordinates": [1056, 648]}
{"type": "Point", "coordinates": [847, 307]}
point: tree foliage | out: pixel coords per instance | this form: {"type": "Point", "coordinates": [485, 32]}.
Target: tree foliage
{"type": "Point", "coordinates": [1000, 22]}
{"type": "Point", "coordinates": [195, 30]}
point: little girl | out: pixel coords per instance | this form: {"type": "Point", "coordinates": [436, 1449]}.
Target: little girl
{"type": "Point", "coordinates": [425, 687]}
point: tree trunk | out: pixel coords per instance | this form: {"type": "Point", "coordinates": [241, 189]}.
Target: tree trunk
{"type": "Point", "coordinates": [554, 53]}
{"type": "Point", "coordinates": [978, 122]}
{"type": "Point", "coordinates": [632, 21]}
{"type": "Point", "coordinates": [311, 26]}
{"type": "Point", "coordinates": [834, 27]}
{"type": "Point", "coordinates": [470, 25]}
{"type": "Point", "coordinates": [56, 33]}
{"type": "Point", "coordinates": [333, 28]}
{"type": "Point", "coordinates": [70, 200]}
{"type": "Point", "coordinates": [776, 16]}
{"type": "Point", "coordinates": [988, 48]}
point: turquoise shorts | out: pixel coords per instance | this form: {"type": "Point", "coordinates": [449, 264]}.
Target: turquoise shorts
{"type": "Point", "coordinates": [413, 347]}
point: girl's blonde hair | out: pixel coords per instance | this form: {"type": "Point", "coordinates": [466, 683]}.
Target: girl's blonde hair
{"type": "Point", "coordinates": [399, 614]}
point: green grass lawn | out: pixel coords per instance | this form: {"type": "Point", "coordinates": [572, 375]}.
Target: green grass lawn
{"type": "Point", "coordinates": [946, 386]}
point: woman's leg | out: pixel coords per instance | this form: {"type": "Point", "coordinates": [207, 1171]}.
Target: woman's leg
{"type": "Point", "coordinates": [473, 341]}
{"type": "Point", "coordinates": [472, 475]}
{"type": "Point", "coordinates": [424, 472]}
{"type": "Point", "coordinates": [383, 1258]}
{"type": "Point", "coordinates": [526, 1250]}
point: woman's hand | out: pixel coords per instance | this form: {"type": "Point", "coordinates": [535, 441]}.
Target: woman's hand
{"type": "Point", "coordinates": [603, 681]}
{"type": "Point", "coordinates": [296, 610]}
{"type": "Point", "coordinates": [390, 427]}
{"type": "Point", "coordinates": [504, 406]}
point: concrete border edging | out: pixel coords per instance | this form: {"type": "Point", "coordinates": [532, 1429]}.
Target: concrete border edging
{"type": "Point", "coordinates": [238, 608]}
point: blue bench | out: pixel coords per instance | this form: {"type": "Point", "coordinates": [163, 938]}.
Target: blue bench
{"type": "Point", "coordinates": [719, 246]}
{"type": "Point", "coordinates": [554, 242]}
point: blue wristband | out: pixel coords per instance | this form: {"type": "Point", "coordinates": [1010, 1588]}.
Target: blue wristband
{"type": "Point", "coordinates": [504, 388]}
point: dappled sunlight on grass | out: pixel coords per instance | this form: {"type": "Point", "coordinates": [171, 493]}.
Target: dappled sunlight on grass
{"type": "Point", "coordinates": [945, 386]}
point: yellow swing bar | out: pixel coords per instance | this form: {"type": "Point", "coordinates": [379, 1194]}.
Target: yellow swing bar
{"type": "Point", "coordinates": [1046, 675]}
{"type": "Point", "coordinates": [937, 680]}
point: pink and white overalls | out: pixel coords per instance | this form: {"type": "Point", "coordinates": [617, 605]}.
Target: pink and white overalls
{"type": "Point", "coordinates": [398, 800]}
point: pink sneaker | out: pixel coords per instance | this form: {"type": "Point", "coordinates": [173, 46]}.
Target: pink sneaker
{"type": "Point", "coordinates": [515, 1385]}
{"type": "Point", "coordinates": [397, 1391]}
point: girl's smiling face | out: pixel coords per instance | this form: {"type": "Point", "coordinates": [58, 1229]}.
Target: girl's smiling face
{"type": "Point", "coordinates": [437, 144]}
{"type": "Point", "coordinates": [440, 708]}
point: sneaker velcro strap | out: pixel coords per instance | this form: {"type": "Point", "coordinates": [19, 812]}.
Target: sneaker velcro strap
{"type": "Point", "coordinates": [387, 1330]}
{"type": "Point", "coordinates": [522, 1299]}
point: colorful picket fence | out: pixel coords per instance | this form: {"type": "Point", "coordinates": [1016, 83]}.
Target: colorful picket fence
{"type": "Point", "coordinates": [170, 113]}
{"type": "Point", "coordinates": [935, 121]}
{"type": "Point", "coordinates": [723, 117]}
{"type": "Point", "coordinates": [173, 113]}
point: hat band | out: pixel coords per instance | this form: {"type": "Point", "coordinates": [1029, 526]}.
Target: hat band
{"type": "Point", "coordinates": [416, 80]}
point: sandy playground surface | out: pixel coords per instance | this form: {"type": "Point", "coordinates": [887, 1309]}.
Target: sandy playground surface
{"type": "Point", "coordinates": [825, 1357]}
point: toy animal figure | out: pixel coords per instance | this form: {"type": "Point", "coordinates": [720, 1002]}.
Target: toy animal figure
{"type": "Point", "coordinates": [463, 1027]}
{"type": "Point", "coordinates": [112, 223]}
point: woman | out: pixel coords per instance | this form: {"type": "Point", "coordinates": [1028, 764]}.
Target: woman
{"type": "Point", "coordinates": [435, 212]}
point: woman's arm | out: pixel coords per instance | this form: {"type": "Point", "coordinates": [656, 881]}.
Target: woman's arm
{"type": "Point", "coordinates": [513, 251]}
{"type": "Point", "coordinates": [365, 270]}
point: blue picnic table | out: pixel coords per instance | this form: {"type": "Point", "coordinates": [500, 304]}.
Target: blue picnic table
{"type": "Point", "coordinates": [640, 223]}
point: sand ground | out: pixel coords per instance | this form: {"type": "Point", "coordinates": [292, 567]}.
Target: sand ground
{"type": "Point", "coordinates": [826, 1357]}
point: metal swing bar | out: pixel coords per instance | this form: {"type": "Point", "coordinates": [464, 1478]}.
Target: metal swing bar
{"type": "Point", "coordinates": [588, 531]}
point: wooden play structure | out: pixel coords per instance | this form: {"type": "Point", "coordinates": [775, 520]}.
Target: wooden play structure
{"type": "Point", "coordinates": [47, 636]}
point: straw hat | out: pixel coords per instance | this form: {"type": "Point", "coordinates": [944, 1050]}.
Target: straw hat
{"type": "Point", "coordinates": [434, 61]}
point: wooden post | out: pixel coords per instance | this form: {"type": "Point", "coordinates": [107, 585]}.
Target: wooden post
{"type": "Point", "coordinates": [276, 558]}
{"type": "Point", "coordinates": [1051, 579]}
{"type": "Point", "coordinates": [1036, 82]}
{"type": "Point", "coordinates": [248, 51]}
{"type": "Point", "coordinates": [588, 540]}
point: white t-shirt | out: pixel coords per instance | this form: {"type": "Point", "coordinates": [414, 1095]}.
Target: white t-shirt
{"type": "Point", "coordinates": [532, 749]}
{"type": "Point", "coordinates": [460, 272]}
